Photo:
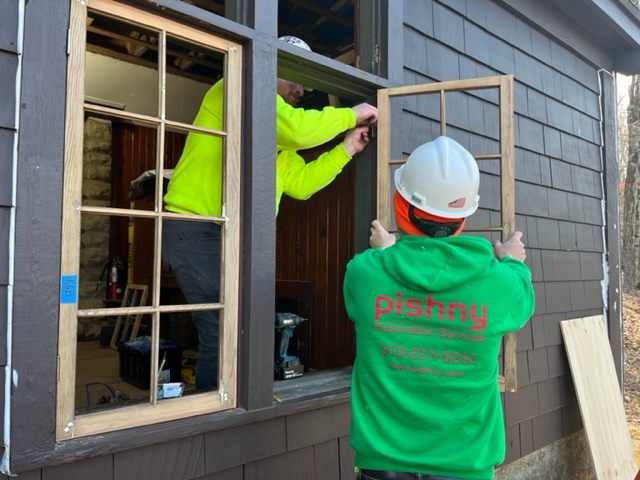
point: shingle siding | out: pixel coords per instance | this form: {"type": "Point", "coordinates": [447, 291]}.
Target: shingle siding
{"type": "Point", "coordinates": [7, 142]}
{"type": "Point", "coordinates": [8, 70]}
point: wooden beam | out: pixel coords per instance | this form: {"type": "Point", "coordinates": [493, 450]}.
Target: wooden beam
{"type": "Point", "coordinates": [599, 397]}
{"type": "Point", "coordinates": [151, 44]}
{"type": "Point", "coordinates": [323, 12]}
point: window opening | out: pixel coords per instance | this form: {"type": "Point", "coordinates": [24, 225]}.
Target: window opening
{"type": "Point", "coordinates": [316, 237]}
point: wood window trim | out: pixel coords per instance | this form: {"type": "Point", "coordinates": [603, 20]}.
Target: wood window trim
{"type": "Point", "coordinates": [504, 84]}
{"type": "Point", "coordinates": [68, 425]}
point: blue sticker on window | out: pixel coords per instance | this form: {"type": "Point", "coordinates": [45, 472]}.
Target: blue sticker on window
{"type": "Point", "coordinates": [68, 289]}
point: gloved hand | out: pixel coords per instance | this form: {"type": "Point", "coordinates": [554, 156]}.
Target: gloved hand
{"type": "Point", "coordinates": [511, 248]}
{"type": "Point", "coordinates": [379, 237]}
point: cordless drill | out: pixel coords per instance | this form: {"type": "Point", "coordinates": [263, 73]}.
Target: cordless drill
{"type": "Point", "coordinates": [286, 366]}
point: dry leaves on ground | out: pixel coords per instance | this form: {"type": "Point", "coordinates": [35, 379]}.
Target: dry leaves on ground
{"type": "Point", "coordinates": [631, 327]}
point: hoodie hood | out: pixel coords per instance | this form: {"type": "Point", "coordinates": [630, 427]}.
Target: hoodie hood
{"type": "Point", "coordinates": [436, 264]}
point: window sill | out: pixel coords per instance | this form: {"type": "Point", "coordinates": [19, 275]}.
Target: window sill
{"type": "Point", "coordinates": [312, 384]}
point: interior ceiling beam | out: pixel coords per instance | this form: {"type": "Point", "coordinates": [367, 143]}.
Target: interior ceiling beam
{"type": "Point", "coordinates": [153, 46]}
{"type": "Point", "coordinates": [323, 12]}
{"type": "Point", "coordinates": [336, 7]}
{"type": "Point", "coordinates": [107, 52]}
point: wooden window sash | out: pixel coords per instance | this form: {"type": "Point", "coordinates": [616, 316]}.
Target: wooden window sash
{"type": "Point", "coordinates": [504, 84]}
{"type": "Point", "coordinates": [68, 425]}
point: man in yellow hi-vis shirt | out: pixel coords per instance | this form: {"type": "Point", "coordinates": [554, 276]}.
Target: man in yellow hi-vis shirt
{"type": "Point", "coordinates": [192, 249]}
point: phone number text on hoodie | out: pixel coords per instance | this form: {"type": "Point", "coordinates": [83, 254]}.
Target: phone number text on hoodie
{"type": "Point", "coordinates": [428, 355]}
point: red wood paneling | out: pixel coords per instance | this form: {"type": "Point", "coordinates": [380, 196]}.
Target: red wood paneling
{"type": "Point", "coordinates": [314, 243]}
{"type": "Point", "coordinates": [134, 152]}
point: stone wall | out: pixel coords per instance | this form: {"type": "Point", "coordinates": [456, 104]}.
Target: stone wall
{"type": "Point", "coordinates": [567, 459]}
{"type": "Point", "coordinates": [94, 238]}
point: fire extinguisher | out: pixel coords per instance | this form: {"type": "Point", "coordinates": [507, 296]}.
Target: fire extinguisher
{"type": "Point", "coordinates": [113, 269]}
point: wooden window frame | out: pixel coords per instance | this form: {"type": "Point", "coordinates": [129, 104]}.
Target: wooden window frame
{"type": "Point", "coordinates": [68, 424]}
{"type": "Point", "coordinates": [504, 83]}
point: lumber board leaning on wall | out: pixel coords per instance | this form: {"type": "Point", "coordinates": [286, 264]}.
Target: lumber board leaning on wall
{"type": "Point", "coordinates": [599, 397]}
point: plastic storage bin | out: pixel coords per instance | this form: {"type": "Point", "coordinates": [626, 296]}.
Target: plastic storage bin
{"type": "Point", "coordinates": [135, 361]}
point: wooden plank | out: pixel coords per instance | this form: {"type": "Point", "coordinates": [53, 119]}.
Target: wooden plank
{"type": "Point", "coordinates": [384, 155]}
{"type": "Point", "coordinates": [230, 255]}
{"type": "Point", "coordinates": [72, 198]}
{"type": "Point", "coordinates": [450, 86]}
{"type": "Point", "coordinates": [508, 211]}
{"type": "Point", "coordinates": [599, 397]}
{"type": "Point", "coordinates": [259, 192]}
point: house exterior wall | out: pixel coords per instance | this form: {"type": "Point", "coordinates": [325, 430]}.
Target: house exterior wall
{"type": "Point", "coordinates": [559, 189]}
{"type": "Point", "coordinates": [559, 181]}
{"type": "Point", "coordinates": [10, 29]}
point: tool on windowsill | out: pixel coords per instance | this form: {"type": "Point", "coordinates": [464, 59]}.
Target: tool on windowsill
{"type": "Point", "coordinates": [286, 365]}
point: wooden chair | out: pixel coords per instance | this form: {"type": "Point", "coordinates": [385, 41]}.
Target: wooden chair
{"type": "Point", "coordinates": [134, 296]}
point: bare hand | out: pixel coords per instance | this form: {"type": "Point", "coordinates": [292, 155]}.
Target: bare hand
{"type": "Point", "coordinates": [355, 140]}
{"type": "Point", "coordinates": [365, 114]}
{"type": "Point", "coordinates": [511, 248]}
{"type": "Point", "coordinates": [379, 237]}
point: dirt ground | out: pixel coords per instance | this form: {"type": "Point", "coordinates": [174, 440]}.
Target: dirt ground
{"type": "Point", "coordinates": [631, 323]}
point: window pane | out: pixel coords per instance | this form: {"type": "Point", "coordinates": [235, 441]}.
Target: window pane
{"type": "Point", "coordinates": [121, 66]}
{"type": "Point", "coordinates": [191, 71]}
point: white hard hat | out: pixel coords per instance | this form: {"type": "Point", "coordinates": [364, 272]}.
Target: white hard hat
{"type": "Point", "coordinates": [290, 39]}
{"type": "Point", "coordinates": [441, 178]}
{"type": "Point", "coordinates": [298, 42]}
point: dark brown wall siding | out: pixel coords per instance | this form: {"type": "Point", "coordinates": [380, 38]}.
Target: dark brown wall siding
{"type": "Point", "coordinates": [558, 181]}
{"type": "Point", "coordinates": [311, 444]}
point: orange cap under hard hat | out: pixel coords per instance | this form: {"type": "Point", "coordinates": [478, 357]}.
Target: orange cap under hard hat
{"type": "Point", "coordinates": [414, 221]}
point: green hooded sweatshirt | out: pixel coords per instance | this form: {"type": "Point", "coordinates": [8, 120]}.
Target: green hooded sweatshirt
{"type": "Point", "coordinates": [429, 316]}
{"type": "Point", "coordinates": [196, 186]}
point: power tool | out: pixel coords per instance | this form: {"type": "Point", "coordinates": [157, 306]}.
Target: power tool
{"type": "Point", "coordinates": [286, 365]}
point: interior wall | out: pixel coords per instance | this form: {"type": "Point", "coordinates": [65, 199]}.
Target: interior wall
{"type": "Point", "coordinates": [314, 243]}
{"type": "Point", "coordinates": [127, 86]}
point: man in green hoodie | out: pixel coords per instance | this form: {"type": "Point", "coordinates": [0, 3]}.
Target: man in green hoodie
{"type": "Point", "coordinates": [430, 310]}
{"type": "Point", "coordinates": [191, 250]}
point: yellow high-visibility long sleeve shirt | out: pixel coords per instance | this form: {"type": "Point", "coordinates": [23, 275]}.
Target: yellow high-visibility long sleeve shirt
{"type": "Point", "coordinates": [196, 184]}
